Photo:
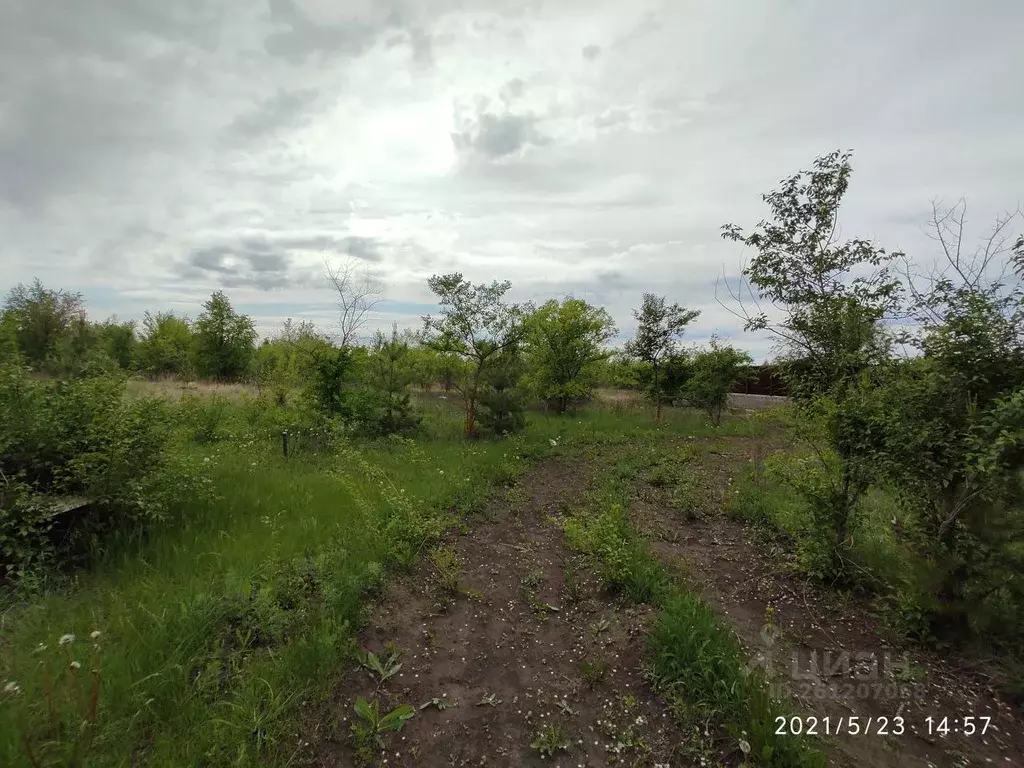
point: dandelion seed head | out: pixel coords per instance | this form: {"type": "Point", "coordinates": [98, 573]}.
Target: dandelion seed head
{"type": "Point", "coordinates": [66, 640]}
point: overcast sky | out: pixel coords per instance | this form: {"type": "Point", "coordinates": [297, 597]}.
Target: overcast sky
{"type": "Point", "coordinates": [153, 151]}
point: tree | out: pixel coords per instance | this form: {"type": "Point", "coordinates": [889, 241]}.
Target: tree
{"type": "Point", "coordinates": [224, 340]}
{"type": "Point", "coordinates": [164, 344]}
{"type": "Point", "coordinates": [41, 318]}
{"type": "Point", "coordinates": [358, 295]}
{"type": "Point", "coordinates": [566, 340]}
{"type": "Point", "coordinates": [502, 411]}
{"type": "Point", "coordinates": [947, 435]}
{"type": "Point", "coordinates": [1018, 255]}
{"type": "Point", "coordinates": [658, 327]}
{"type": "Point", "coordinates": [830, 319]}
{"type": "Point", "coordinates": [477, 326]}
{"type": "Point", "coordinates": [118, 341]}
{"type": "Point", "coordinates": [830, 322]}
{"type": "Point", "coordinates": [389, 374]}
{"type": "Point", "coordinates": [713, 373]}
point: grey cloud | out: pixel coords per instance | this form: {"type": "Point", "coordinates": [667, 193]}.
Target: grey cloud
{"type": "Point", "coordinates": [495, 136]}
{"type": "Point", "coordinates": [612, 117]}
{"type": "Point", "coordinates": [512, 90]}
{"type": "Point", "coordinates": [285, 109]}
{"type": "Point", "coordinates": [302, 36]}
{"type": "Point", "coordinates": [365, 248]}
{"type": "Point", "coordinates": [591, 52]}
{"type": "Point", "coordinates": [90, 88]}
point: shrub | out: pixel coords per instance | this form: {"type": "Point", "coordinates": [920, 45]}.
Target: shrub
{"type": "Point", "coordinates": [77, 445]}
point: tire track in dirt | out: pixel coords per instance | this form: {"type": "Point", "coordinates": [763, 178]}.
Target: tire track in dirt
{"type": "Point", "coordinates": [857, 671]}
{"type": "Point", "coordinates": [504, 650]}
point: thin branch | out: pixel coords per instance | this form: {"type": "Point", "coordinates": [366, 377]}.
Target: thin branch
{"type": "Point", "coordinates": [358, 295]}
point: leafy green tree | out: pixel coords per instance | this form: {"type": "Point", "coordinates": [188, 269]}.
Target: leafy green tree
{"type": "Point", "coordinates": [118, 341]}
{"type": "Point", "coordinates": [566, 341]}
{"type": "Point", "coordinates": [946, 424]}
{"type": "Point", "coordinates": [659, 326]}
{"type": "Point", "coordinates": [9, 350]}
{"type": "Point", "coordinates": [830, 317]}
{"type": "Point", "coordinates": [831, 297]}
{"type": "Point", "coordinates": [476, 325]}
{"type": "Point", "coordinates": [502, 409]}
{"type": "Point", "coordinates": [713, 374]}
{"type": "Point", "coordinates": [164, 344]}
{"type": "Point", "coordinates": [42, 318]}
{"type": "Point", "coordinates": [224, 340]}
{"type": "Point", "coordinates": [283, 363]}
{"type": "Point", "coordinates": [389, 374]}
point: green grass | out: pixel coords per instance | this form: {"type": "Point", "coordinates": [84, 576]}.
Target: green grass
{"type": "Point", "coordinates": [220, 629]}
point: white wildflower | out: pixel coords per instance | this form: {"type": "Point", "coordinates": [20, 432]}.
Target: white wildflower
{"type": "Point", "coordinates": [66, 640]}
{"type": "Point", "coordinates": [75, 665]}
{"type": "Point", "coordinates": [12, 688]}
{"type": "Point", "coordinates": [744, 746]}
{"type": "Point", "coordinates": [40, 648]}
{"type": "Point", "coordinates": [94, 635]}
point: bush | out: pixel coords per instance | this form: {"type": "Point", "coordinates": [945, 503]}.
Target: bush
{"type": "Point", "coordinates": [205, 417]}
{"type": "Point", "coordinates": [77, 446]}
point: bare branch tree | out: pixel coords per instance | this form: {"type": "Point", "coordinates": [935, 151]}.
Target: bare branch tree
{"type": "Point", "coordinates": [358, 294]}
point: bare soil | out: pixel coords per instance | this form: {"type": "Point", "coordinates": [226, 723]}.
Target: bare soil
{"type": "Point", "coordinates": [826, 652]}
{"type": "Point", "coordinates": [502, 654]}
{"type": "Point", "coordinates": [491, 663]}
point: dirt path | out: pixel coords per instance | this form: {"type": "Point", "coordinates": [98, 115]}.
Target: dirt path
{"type": "Point", "coordinates": [830, 656]}
{"type": "Point", "coordinates": [524, 646]}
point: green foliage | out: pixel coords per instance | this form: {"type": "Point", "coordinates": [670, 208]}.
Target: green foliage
{"type": "Point", "coordinates": [624, 558]}
{"type": "Point", "coordinates": [384, 667]}
{"type": "Point", "coordinates": [659, 325]}
{"type": "Point", "coordinates": [82, 440]}
{"type": "Point", "coordinates": [714, 373]}
{"type": "Point", "coordinates": [566, 340]}
{"type": "Point", "coordinates": [164, 344]}
{"type": "Point", "coordinates": [64, 717]}
{"type": "Point", "coordinates": [502, 410]}
{"type": "Point", "coordinates": [389, 373]}
{"type": "Point", "coordinates": [449, 568]}
{"type": "Point", "coordinates": [594, 671]}
{"type": "Point", "coordinates": [550, 740]}
{"type": "Point", "coordinates": [41, 319]}
{"type": "Point", "coordinates": [830, 317]}
{"type": "Point", "coordinates": [205, 418]}
{"type": "Point", "coordinates": [224, 340]}
{"type": "Point", "coordinates": [699, 666]}
{"type": "Point", "coordinates": [369, 730]}
{"type": "Point", "coordinates": [117, 340]}
{"type": "Point", "coordinates": [476, 325]}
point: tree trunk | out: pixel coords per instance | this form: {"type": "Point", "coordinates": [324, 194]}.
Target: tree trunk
{"type": "Point", "coordinates": [657, 396]}
{"type": "Point", "coordinates": [470, 427]}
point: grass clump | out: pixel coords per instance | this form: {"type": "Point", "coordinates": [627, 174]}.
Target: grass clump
{"type": "Point", "coordinates": [699, 667]}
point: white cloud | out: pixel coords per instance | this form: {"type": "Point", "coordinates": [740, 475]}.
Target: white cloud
{"type": "Point", "coordinates": [152, 152]}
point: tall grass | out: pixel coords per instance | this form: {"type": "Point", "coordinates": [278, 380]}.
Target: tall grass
{"type": "Point", "coordinates": [219, 629]}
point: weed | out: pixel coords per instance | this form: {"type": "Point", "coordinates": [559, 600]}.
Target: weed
{"type": "Point", "coordinates": [594, 671]}
{"type": "Point", "coordinates": [384, 668]}
{"type": "Point", "coordinates": [369, 730]}
{"type": "Point", "coordinates": [449, 568]}
{"type": "Point", "coordinates": [550, 739]}
{"type": "Point", "coordinates": [531, 581]}
{"type": "Point", "coordinates": [440, 703]}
